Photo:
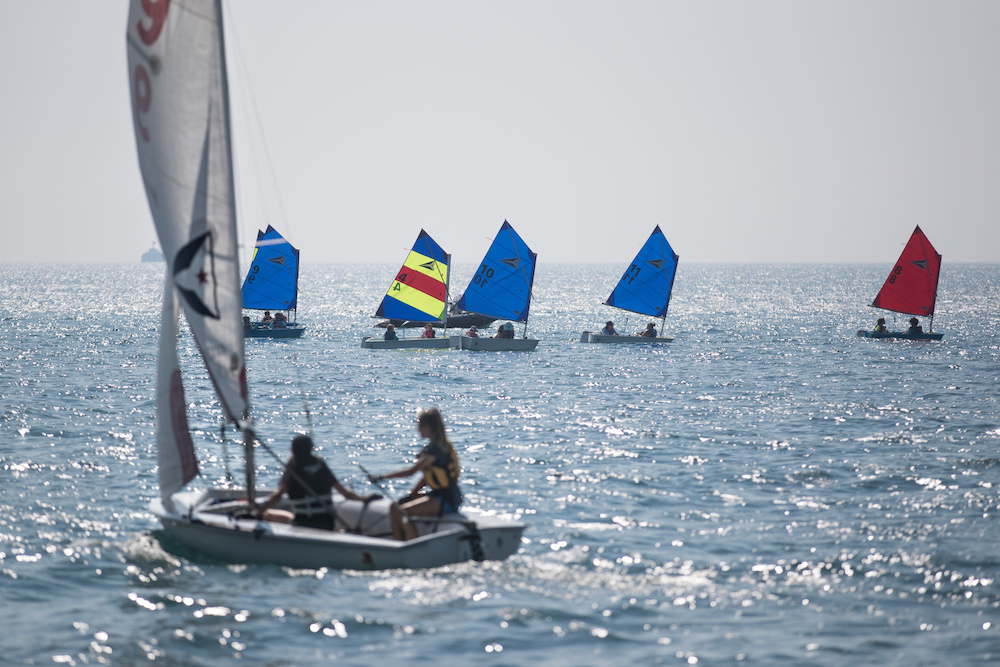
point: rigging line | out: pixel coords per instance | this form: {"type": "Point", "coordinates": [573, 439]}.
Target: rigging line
{"type": "Point", "coordinates": [246, 90]}
{"type": "Point", "coordinates": [302, 394]}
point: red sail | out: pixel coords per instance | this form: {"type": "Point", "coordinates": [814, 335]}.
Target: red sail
{"type": "Point", "coordinates": [912, 285]}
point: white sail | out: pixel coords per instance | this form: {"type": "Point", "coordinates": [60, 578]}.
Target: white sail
{"type": "Point", "coordinates": [180, 104]}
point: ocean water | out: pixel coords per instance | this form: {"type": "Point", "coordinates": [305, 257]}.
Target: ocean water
{"type": "Point", "coordinates": [768, 489]}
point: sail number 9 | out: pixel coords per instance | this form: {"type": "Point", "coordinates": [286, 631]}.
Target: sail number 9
{"type": "Point", "coordinates": [142, 87]}
{"type": "Point", "coordinates": [483, 276]}
{"type": "Point", "coordinates": [895, 272]}
{"type": "Point", "coordinates": [253, 274]}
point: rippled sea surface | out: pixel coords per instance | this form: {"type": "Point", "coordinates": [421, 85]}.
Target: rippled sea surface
{"type": "Point", "coordinates": [767, 489]}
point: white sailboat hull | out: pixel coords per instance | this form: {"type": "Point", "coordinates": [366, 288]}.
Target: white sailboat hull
{"type": "Point", "coordinates": [217, 524]}
{"type": "Point", "coordinates": [588, 337]}
{"type": "Point", "coordinates": [494, 344]}
{"type": "Point", "coordinates": [374, 343]}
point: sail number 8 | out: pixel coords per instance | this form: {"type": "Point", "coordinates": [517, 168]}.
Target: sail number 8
{"type": "Point", "coordinates": [895, 272]}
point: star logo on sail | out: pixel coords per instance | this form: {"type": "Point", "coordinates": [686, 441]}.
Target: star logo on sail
{"type": "Point", "coordinates": [194, 276]}
{"type": "Point", "coordinates": [430, 266]}
{"type": "Point", "coordinates": [513, 262]}
{"type": "Point", "coordinates": [279, 260]}
{"type": "Point", "coordinates": [655, 263]}
{"type": "Point", "coordinates": [919, 263]}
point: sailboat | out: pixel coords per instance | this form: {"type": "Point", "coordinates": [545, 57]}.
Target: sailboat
{"type": "Point", "coordinates": [272, 283]}
{"type": "Point", "coordinates": [911, 288]}
{"type": "Point", "coordinates": [419, 294]}
{"type": "Point", "coordinates": [501, 289]}
{"type": "Point", "coordinates": [644, 288]}
{"type": "Point", "coordinates": [180, 102]}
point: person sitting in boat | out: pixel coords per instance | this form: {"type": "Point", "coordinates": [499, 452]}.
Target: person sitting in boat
{"type": "Point", "coordinates": [390, 333]}
{"type": "Point", "coordinates": [279, 320]}
{"type": "Point", "coordinates": [439, 464]}
{"type": "Point", "coordinates": [308, 482]}
{"type": "Point", "coordinates": [505, 330]}
{"type": "Point", "coordinates": [915, 327]}
{"type": "Point", "coordinates": [246, 322]}
{"type": "Point", "coordinates": [880, 326]}
{"type": "Point", "coordinates": [473, 332]}
{"type": "Point", "coordinates": [648, 332]}
{"type": "Point", "coordinates": [266, 320]}
{"type": "Point", "coordinates": [428, 331]}
{"type": "Point", "coordinates": [609, 329]}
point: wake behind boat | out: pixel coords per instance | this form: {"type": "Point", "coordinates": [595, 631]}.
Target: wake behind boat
{"type": "Point", "coordinates": [272, 283]}
{"type": "Point", "coordinates": [177, 73]}
{"type": "Point", "coordinates": [418, 294]}
{"type": "Point", "coordinates": [911, 288]}
{"type": "Point", "coordinates": [501, 289]}
{"type": "Point", "coordinates": [644, 288]}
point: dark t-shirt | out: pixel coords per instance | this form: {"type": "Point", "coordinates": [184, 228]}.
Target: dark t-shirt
{"type": "Point", "coordinates": [312, 481]}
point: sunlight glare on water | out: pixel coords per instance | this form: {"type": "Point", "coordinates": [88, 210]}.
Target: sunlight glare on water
{"type": "Point", "coordinates": [767, 488]}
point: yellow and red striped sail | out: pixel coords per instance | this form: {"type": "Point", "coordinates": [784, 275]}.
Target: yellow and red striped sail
{"type": "Point", "coordinates": [419, 292]}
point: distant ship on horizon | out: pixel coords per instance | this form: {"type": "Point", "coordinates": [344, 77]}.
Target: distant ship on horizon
{"type": "Point", "coordinates": [153, 255]}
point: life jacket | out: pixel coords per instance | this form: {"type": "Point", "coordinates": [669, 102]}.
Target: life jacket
{"type": "Point", "coordinates": [309, 486]}
{"type": "Point", "coordinates": [442, 475]}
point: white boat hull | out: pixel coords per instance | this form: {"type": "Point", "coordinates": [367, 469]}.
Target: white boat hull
{"type": "Point", "coordinates": [494, 344]}
{"type": "Point", "coordinates": [588, 337]}
{"type": "Point", "coordinates": [217, 524]}
{"type": "Point", "coordinates": [374, 343]}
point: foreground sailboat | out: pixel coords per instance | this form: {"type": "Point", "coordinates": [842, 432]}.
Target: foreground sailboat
{"type": "Point", "coordinates": [419, 294]}
{"type": "Point", "coordinates": [644, 288]}
{"type": "Point", "coordinates": [911, 288]}
{"type": "Point", "coordinates": [272, 284]}
{"type": "Point", "coordinates": [501, 289]}
{"type": "Point", "coordinates": [177, 71]}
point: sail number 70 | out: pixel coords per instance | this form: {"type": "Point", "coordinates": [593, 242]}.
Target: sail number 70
{"type": "Point", "coordinates": [483, 276]}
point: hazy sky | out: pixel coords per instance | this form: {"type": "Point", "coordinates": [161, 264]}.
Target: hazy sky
{"type": "Point", "coordinates": [777, 131]}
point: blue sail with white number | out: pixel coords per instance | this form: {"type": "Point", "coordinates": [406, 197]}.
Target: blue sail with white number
{"type": "Point", "coordinates": [272, 283]}
{"type": "Point", "coordinates": [501, 287]}
{"type": "Point", "coordinates": [646, 285]}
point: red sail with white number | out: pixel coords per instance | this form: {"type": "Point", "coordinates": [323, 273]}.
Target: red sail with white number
{"type": "Point", "coordinates": [912, 284]}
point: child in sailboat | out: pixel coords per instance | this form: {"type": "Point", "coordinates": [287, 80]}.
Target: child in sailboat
{"type": "Point", "coordinates": [428, 331]}
{"type": "Point", "coordinates": [390, 333]}
{"type": "Point", "coordinates": [439, 464]}
{"type": "Point", "coordinates": [915, 327]}
{"type": "Point", "coordinates": [308, 482]}
{"type": "Point", "coordinates": [609, 329]}
{"type": "Point", "coordinates": [648, 332]}
{"type": "Point", "coordinates": [880, 325]}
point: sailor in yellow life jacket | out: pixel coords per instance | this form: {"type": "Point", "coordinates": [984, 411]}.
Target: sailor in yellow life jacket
{"type": "Point", "coordinates": [438, 462]}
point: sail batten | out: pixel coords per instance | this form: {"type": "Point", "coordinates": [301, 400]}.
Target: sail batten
{"type": "Point", "coordinates": [911, 287]}
{"type": "Point", "coordinates": [273, 278]}
{"type": "Point", "coordinates": [648, 282]}
{"type": "Point", "coordinates": [501, 286]}
{"type": "Point", "coordinates": [419, 292]}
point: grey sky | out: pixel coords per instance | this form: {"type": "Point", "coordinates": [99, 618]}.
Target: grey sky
{"type": "Point", "coordinates": [781, 131]}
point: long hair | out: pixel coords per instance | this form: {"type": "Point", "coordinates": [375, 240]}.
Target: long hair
{"type": "Point", "coordinates": [432, 419]}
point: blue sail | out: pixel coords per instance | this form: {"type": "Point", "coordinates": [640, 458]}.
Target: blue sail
{"type": "Point", "coordinates": [273, 279]}
{"type": "Point", "coordinates": [646, 285]}
{"type": "Point", "coordinates": [501, 287]}
{"type": "Point", "coordinates": [419, 292]}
